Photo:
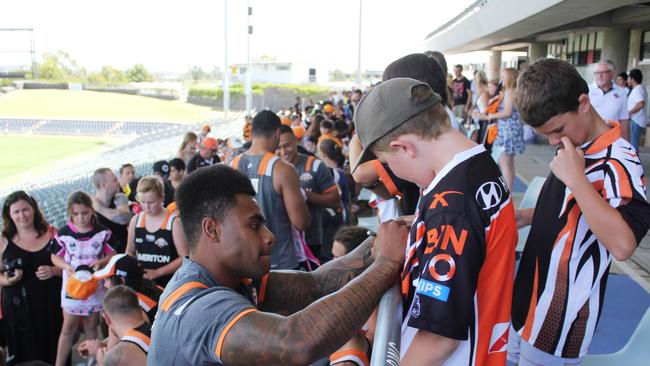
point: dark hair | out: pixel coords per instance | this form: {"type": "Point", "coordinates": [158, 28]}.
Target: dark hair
{"type": "Point", "coordinates": [358, 91]}
{"type": "Point", "coordinates": [121, 300]}
{"type": "Point", "coordinates": [419, 67]}
{"type": "Point", "coordinates": [209, 192]}
{"type": "Point", "coordinates": [548, 88]}
{"type": "Point", "coordinates": [459, 66]}
{"type": "Point", "coordinates": [333, 151]}
{"type": "Point", "coordinates": [80, 198]}
{"type": "Point", "coordinates": [285, 129]}
{"type": "Point", "coordinates": [9, 229]}
{"type": "Point", "coordinates": [636, 75]}
{"type": "Point", "coordinates": [328, 124]}
{"type": "Point", "coordinates": [315, 126]}
{"type": "Point", "coordinates": [127, 165]}
{"type": "Point", "coordinates": [265, 124]}
{"type": "Point", "coordinates": [440, 58]}
{"type": "Point", "coordinates": [351, 236]}
{"type": "Point", "coordinates": [177, 163]}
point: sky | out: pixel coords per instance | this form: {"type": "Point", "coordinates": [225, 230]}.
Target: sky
{"type": "Point", "coordinates": [172, 36]}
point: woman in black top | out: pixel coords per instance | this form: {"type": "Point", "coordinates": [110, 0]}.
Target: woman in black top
{"type": "Point", "coordinates": [31, 285]}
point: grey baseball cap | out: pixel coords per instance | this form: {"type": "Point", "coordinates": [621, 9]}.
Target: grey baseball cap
{"type": "Point", "coordinates": [386, 107]}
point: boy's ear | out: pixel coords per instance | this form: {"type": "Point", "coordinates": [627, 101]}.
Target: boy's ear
{"type": "Point", "coordinates": [584, 103]}
{"type": "Point", "coordinates": [404, 144]}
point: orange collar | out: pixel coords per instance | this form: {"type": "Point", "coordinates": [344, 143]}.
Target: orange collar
{"type": "Point", "coordinates": [606, 139]}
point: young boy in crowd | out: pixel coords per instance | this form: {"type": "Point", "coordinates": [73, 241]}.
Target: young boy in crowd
{"type": "Point", "coordinates": [592, 207]}
{"type": "Point", "coordinates": [458, 274]}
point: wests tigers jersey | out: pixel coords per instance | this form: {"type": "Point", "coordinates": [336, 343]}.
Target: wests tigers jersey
{"type": "Point", "coordinates": [560, 284]}
{"type": "Point", "coordinates": [457, 279]}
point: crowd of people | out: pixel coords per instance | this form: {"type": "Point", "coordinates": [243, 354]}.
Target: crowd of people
{"type": "Point", "coordinates": [245, 250]}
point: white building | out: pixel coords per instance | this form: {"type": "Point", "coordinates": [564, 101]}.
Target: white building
{"type": "Point", "coordinates": [281, 73]}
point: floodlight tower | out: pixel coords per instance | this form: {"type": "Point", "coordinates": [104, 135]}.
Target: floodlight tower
{"type": "Point", "coordinates": [226, 69]}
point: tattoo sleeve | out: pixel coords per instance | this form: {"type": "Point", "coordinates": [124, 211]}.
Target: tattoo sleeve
{"type": "Point", "coordinates": [113, 356]}
{"type": "Point", "coordinates": [261, 338]}
{"type": "Point", "coordinates": [290, 291]}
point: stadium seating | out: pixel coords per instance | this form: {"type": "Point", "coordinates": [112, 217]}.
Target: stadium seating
{"type": "Point", "coordinates": [153, 141]}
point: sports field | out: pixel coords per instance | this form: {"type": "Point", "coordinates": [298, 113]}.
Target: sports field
{"type": "Point", "coordinates": [21, 153]}
{"type": "Point", "coordinates": [71, 104]}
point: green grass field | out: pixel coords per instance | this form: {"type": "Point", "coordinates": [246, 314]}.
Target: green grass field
{"type": "Point", "coordinates": [20, 153]}
{"type": "Point", "coordinates": [72, 104]}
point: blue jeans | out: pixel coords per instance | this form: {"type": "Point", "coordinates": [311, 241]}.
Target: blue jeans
{"type": "Point", "coordinates": [636, 132]}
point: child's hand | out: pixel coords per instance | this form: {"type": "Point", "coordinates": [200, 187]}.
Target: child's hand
{"type": "Point", "coordinates": [151, 274]}
{"type": "Point", "coordinates": [44, 272]}
{"type": "Point", "coordinates": [569, 163]}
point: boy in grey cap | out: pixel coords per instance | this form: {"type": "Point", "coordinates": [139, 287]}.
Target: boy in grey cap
{"type": "Point", "coordinates": [458, 275]}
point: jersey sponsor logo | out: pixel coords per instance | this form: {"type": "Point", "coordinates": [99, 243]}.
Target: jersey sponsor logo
{"type": "Point", "coordinates": [499, 339]}
{"type": "Point", "coordinates": [433, 290]}
{"type": "Point", "coordinates": [306, 178]}
{"type": "Point", "coordinates": [138, 240]}
{"type": "Point", "coordinates": [161, 242]}
{"type": "Point", "coordinates": [415, 311]}
{"type": "Point", "coordinates": [443, 237]}
{"type": "Point", "coordinates": [442, 272]}
{"type": "Point", "coordinates": [150, 237]}
{"type": "Point", "coordinates": [439, 198]}
{"type": "Point", "coordinates": [153, 258]}
{"type": "Point", "coordinates": [489, 195]}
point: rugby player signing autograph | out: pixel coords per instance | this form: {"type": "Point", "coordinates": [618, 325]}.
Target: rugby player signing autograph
{"type": "Point", "coordinates": [224, 306]}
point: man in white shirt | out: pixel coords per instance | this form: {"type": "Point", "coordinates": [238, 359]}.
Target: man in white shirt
{"type": "Point", "coordinates": [636, 105]}
{"type": "Point", "coordinates": [608, 99]}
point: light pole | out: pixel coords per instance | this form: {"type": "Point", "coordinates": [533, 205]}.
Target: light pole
{"type": "Point", "coordinates": [249, 86]}
{"type": "Point", "coordinates": [226, 69]}
{"type": "Point", "coordinates": [359, 51]}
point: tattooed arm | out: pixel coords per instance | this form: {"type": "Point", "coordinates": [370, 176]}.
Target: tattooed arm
{"type": "Point", "coordinates": [324, 326]}
{"type": "Point", "coordinates": [124, 354]}
{"type": "Point", "coordinates": [290, 291]}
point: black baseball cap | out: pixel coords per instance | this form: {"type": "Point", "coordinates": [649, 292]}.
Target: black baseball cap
{"type": "Point", "coordinates": [122, 265]}
{"type": "Point", "coordinates": [162, 167]}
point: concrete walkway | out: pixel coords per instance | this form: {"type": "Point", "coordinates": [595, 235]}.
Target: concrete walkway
{"type": "Point", "coordinates": [534, 162]}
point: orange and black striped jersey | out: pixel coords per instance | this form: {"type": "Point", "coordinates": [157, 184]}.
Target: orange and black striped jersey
{"type": "Point", "coordinates": [140, 336]}
{"type": "Point", "coordinates": [560, 284]}
{"type": "Point", "coordinates": [458, 275]}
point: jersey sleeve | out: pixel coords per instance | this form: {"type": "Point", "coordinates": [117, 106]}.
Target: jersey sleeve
{"type": "Point", "coordinates": [625, 190]}
{"type": "Point", "coordinates": [207, 322]}
{"type": "Point", "coordinates": [444, 298]}
{"type": "Point", "coordinates": [57, 246]}
{"type": "Point", "coordinates": [324, 179]}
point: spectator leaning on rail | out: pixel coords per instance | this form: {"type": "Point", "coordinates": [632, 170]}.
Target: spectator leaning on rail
{"type": "Point", "coordinates": [457, 278]}
{"type": "Point", "coordinates": [111, 207]}
{"type": "Point", "coordinates": [219, 307]}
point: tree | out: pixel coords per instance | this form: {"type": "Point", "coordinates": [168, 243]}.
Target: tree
{"type": "Point", "coordinates": [197, 73]}
{"type": "Point", "coordinates": [138, 74]}
{"type": "Point", "coordinates": [112, 75]}
{"type": "Point", "coordinates": [338, 75]}
{"type": "Point", "coordinates": [60, 66]}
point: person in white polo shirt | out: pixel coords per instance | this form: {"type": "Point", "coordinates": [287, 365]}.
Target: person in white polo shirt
{"type": "Point", "coordinates": [608, 99]}
{"type": "Point", "coordinates": [636, 105]}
